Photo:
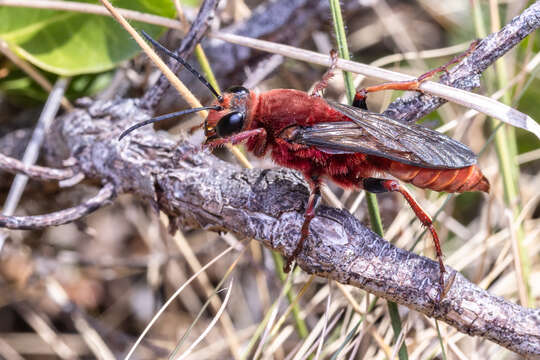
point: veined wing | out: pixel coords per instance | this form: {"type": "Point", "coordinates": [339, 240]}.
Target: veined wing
{"type": "Point", "coordinates": [375, 134]}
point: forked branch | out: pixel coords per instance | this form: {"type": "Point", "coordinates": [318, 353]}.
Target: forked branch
{"type": "Point", "coordinates": [66, 216]}
{"type": "Point", "coordinates": [36, 172]}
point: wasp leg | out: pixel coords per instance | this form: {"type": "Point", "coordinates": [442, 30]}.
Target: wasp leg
{"type": "Point", "coordinates": [213, 143]}
{"type": "Point", "coordinates": [311, 208]}
{"type": "Point", "coordinates": [382, 185]}
{"type": "Point", "coordinates": [408, 85]}
{"type": "Point", "coordinates": [323, 83]}
{"type": "Point", "coordinates": [234, 139]}
{"type": "Point", "coordinates": [360, 98]}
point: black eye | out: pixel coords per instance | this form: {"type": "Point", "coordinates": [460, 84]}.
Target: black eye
{"type": "Point", "coordinates": [237, 90]}
{"type": "Point", "coordinates": [230, 124]}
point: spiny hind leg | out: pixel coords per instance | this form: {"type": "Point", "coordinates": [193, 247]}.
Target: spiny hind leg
{"type": "Point", "coordinates": [382, 185]}
{"type": "Point", "coordinates": [311, 208]}
{"type": "Point", "coordinates": [408, 85]}
{"type": "Point", "coordinates": [323, 83]}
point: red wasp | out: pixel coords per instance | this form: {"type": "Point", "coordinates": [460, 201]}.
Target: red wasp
{"type": "Point", "coordinates": [346, 144]}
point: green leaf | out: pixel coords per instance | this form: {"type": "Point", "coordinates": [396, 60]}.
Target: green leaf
{"type": "Point", "coordinates": [20, 90]}
{"type": "Point", "coordinates": [70, 43]}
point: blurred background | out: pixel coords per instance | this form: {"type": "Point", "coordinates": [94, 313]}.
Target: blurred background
{"type": "Point", "coordinates": [88, 289]}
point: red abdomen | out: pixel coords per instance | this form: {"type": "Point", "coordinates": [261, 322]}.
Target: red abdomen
{"type": "Point", "coordinates": [348, 170]}
{"type": "Point", "coordinates": [469, 178]}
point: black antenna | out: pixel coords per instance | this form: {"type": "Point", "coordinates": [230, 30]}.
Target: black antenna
{"type": "Point", "coordinates": [165, 117]}
{"type": "Point", "coordinates": [183, 62]}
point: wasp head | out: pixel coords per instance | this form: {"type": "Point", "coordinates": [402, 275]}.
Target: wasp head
{"type": "Point", "coordinates": [231, 117]}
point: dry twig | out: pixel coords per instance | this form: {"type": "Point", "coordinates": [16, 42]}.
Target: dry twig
{"type": "Point", "coordinates": [36, 172]}
{"type": "Point", "coordinates": [104, 197]}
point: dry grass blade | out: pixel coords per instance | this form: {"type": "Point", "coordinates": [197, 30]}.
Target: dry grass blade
{"type": "Point", "coordinates": [518, 269]}
{"type": "Point", "coordinates": [32, 150]}
{"type": "Point", "coordinates": [262, 331]}
{"type": "Point", "coordinates": [287, 312]}
{"type": "Point", "coordinates": [171, 299]}
{"type": "Point", "coordinates": [8, 352]}
{"type": "Point", "coordinates": [182, 89]}
{"type": "Point", "coordinates": [310, 343]}
{"type": "Point", "coordinates": [94, 9]}
{"type": "Point", "coordinates": [326, 317]}
{"type": "Point", "coordinates": [212, 323]}
{"type": "Point", "coordinates": [41, 325]}
{"type": "Point", "coordinates": [270, 320]}
{"type": "Point", "coordinates": [205, 283]}
{"type": "Point", "coordinates": [424, 54]}
{"type": "Point", "coordinates": [91, 336]}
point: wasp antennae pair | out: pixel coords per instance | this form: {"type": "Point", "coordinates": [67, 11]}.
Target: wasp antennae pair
{"type": "Point", "coordinates": [199, 76]}
{"type": "Point", "coordinates": [184, 63]}
{"type": "Point", "coordinates": [165, 117]}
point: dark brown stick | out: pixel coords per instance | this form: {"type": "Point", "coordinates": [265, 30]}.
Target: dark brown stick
{"type": "Point", "coordinates": [104, 197]}
{"type": "Point", "coordinates": [466, 75]}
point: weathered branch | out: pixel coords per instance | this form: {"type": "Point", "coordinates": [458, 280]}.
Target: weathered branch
{"type": "Point", "coordinates": [15, 166]}
{"type": "Point", "coordinates": [66, 216]}
{"type": "Point", "coordinates": [466, 75]}
{"type": "Point", "coordinates": [268, 206]}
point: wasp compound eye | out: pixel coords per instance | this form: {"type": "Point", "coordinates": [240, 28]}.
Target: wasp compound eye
{"type": "Point", "coordinates": [238, 90]}
{"type": "Point", "coordinates": [230, 124]}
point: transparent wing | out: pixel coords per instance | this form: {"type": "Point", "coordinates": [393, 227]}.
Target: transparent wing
{"type": "Point", "coordinates": [374, 134]}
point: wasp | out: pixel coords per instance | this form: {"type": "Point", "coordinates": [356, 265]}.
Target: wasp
{"type": "Point", "coordinates": [347, 144]}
